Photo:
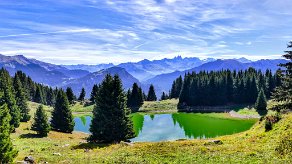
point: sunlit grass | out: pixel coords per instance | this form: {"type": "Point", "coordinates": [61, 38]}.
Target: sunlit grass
{"type": "Point", "coordinates": [252, 146]}
{"type": "Point", "coordinates": [165, 106]}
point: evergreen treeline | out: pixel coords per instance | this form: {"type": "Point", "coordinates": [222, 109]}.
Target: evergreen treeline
{"type": "Point", "coordinates": [33, 91]}
{"type": "Point", "coordinates": [223, 87]}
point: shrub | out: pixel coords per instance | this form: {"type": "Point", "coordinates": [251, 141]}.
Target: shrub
{"type": "Point", "coordinates": [270, 120]}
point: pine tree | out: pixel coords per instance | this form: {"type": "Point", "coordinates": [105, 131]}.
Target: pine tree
{"type": "Point", "coordinates": [253, 91]}
{"type": "Point", "coordinates": [270, 83]}
{"type": "Point", "coordinates": [82, 95]}
{"type": "Point", "coordinates": [184, 95]}
{"type": "Point", "coordinates": [135, 98]}
{"type": "Point", "coordinates": [41, 125]}
{"type": "Point", "coordinates": [51, 98]}
{"type": "Point", "coordinates": [111, 118]}
{"type": "Point", "coordinates": [173, 90]}
{"type": "Point", "coordinates": [93, 93]}
{"type": "Point", "coordinates": [129, 92]}
{"type": "Point", "coordinates": [62, 118]}
{"type": "Point", "coordinates": [31, 89]}
{"type": "Point", "coordinates": [283, 93]}
{"type": "Point", "coordinates": [178, 86]}
{"type": "Point", "coordinates": [8, 97]}
{"type": "Point", "coordinates": [21, 101]}
{"type": "Point", "coordinates": [163, 96]}
{"type": "Point", "coordinates": [7, 153]}
{"type": "Point", "coordinates": [70, 95]}
{"type": "Point", "coordinates": [229, 86]}
{"type": "Point", "coordinates": [261, 103]}
{"type": "Point", "coordinates": [151, 94]}
{"type": "Point", "coordinates": [38, 97]}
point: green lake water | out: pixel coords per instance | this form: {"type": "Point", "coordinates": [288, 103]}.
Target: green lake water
{"type": "Point", "coordinates": [164, 127]}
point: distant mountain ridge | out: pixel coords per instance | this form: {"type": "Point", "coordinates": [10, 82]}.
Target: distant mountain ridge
{"type": "Point", "coordinates": [145, 69]}
{"type": "Point", "coordinates": [90, 68]}
{"type": "Point", "coordinates": [39, 71]}
{"type": "Point", "coordinates": [160, 73]}
{"type": "Point", "coordinates": [96, 77]}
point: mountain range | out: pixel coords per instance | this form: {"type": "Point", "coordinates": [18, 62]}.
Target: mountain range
{"type": "Point", "coordinates": [160, 73]}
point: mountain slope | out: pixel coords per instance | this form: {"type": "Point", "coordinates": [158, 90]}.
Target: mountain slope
{"type": "Point", "coordinates": [96, 77]}
{"type": "Point", "coordinates": [90, 68]}
{"type": "Point", "coordinates": [146, 69]}
{"type": "Point", "coordinates": [41, 72]}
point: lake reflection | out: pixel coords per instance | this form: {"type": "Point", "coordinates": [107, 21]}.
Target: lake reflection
{"type": "Point", "coordinates": [162, 127]}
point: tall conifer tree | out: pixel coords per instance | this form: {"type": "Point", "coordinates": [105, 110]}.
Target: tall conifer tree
{"type": "Point", "coordinates": [261, 103]}
{"type": "Point", "coordinates": [21, 100]}
{"type": "Point", "coordinates": [111, 118]}
{"type": "Point", "coordinates": [284, 92]}
{"type": "Point", "coordinates": [82, 95]}
{"type": "Point", "coordinates": [51, 97]}
{"type": "Point", "coordinates": [8, 97]}
{"type": "Point", "coordinates": [135, 99]}
{"type": "Point", "coordinates": [70, 95]}
{"type": "Point", "coordinates": [38, 97]}
{"type": "Point", "coordinates": [94, 93]}
{"type": "Point", "coordinates": [62, 118]}
{"type": "Point", "coordinates": [41, 125]}
{"type": "Point", "coordinates": [7, 153]}
{"type": "Point", "coordinates": [151, 94]}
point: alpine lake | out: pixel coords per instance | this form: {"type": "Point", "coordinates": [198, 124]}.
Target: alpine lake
{"type": "Point", "coordinates": [174, 126]}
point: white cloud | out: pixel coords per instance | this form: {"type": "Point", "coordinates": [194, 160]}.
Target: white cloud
{"type": "Point", "coordinates": [146, 29]}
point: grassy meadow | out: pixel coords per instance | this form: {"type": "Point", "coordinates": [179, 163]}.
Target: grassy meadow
{"type": "Point", "coordinates": [252, 146]}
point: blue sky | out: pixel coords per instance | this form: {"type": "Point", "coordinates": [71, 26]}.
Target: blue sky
{"type": "Point", "coordinates": [103, 31]}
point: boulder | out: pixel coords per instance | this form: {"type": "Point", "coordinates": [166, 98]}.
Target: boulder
{"type": "Point", "coordinates": [29, 159]}
{"type": "Point", "coordinates": [57, 154]}
{"type": "Point", "coordinates": [126, 143]}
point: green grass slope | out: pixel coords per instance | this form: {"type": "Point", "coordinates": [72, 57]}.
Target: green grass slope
{"type": "Point", "coordinates": [252, 146]}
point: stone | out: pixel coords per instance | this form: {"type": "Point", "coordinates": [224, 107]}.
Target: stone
{"type": "Point", "coordinates": [126, 143]}
{"type": "Point", "coordinates": [57, 154]}
{"type": "Point", "coordinates": [214, 142]}
{"type": "Point", "coordinates": [29, 159]}
{"type": "Point", "coordinates": [21, 162]}
{"type": "Point", "coordinates": [219, 142]}
{"type": "Point", "coordinates": [66, 145]}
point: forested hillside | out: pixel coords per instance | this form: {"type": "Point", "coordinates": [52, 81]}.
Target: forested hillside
{"type": "Point", "coordinates": [223, 87]}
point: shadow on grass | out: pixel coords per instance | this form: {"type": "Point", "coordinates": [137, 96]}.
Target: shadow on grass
{"type": "Point", "coordinates": [90, 145]}
{"type": "Point", "coordinates": [30, 135]}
